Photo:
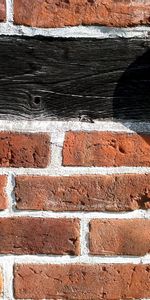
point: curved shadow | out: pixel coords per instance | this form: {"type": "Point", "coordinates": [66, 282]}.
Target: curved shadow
{"type": "Point", "coordinates": [131, 99]}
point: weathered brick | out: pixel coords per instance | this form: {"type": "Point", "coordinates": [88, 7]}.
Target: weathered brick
{"type": "Point", "coordinates": [2, 10]}
{"type": "Point", "coordinates": [110, 149]}
{"type": "Point", "coordinates": [82, 282]}
{"type": "Point", "coordinates": [123, 192]}
{"type": "Point", "coordinates": [59, 13]}
{"type": "Point", "coordinates": [3, 196]}
{"type": "Point", "coordinates": [26, 235]}
{"type": "Point", "coordinates": [24, 150]}
{"type": "Point", "coordinates": [120, 237]}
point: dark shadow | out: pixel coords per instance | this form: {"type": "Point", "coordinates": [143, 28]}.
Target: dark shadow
{"type": "Point", "coordinates": [132, 95]}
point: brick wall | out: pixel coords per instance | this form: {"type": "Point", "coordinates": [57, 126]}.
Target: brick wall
{"type": "Point", "coordinates": [74, 196]}
{"type": "Point", "coordinates": [61, 226]}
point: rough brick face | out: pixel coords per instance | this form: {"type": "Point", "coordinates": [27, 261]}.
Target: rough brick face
{"type": "Point", "coordinates": [120, 237]}
{"type": "Point", "coordinates": [26, 235]}
{"type": "Point", "coordinates": [83, 192]}
{"type": "Point", "coordinates": [2, 10]}
{"type": "Point", "coordinates": [3, 196]}
{"type": "Point", "coordinates": [65, 236]}
{"type": "Point", "coordinates": [59, 13]}
{"type": "Point", "coordinates": [82, 282]}
{"type": "Point", "coordinates": [106, 149]}
{"type": "Point", "coordinates": [24, 150]}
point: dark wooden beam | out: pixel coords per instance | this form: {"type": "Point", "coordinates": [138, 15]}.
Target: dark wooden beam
{"type": "Point", "coordinates": [74, 78]}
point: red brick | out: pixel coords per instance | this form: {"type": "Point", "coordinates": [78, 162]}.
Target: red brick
{"type": "Point", "coordinates": [24, 150]}
{"type": "Point", "coordinates": [108, 149]}
{"type": "Point", "coordinates": [123, 237]}
{"type": "Point", "coordinates": [2, 10]}
{"type": "Point", "coordinates": [122, 192]}
{"type": "Point", "coordinates": [59, 13]}
{"type": "Point", "coordinates": [82, 282]}
{"type": "Point", "coordinates": [26, 235]}
{"type": "Point", "coordinates": [3, 196]}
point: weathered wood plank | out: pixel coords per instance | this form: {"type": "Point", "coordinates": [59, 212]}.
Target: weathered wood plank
{"type": "Point", "coordinates": [74, 78]}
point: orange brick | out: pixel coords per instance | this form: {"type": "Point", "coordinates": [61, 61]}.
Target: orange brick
{"type": "Point", "coordinates": [123, 192]}
{"type": "Point", "coordinates": [24, 150]}
{"type": "Point", "coordinates": [106, 149]}
{"type": "Point", "coordinates": [82, 282]}
{"type": "Point", "coordinates": [2, 10]}
{"type": "Point", "coordinates": [27, 235]}
{"type": "Point", "coordinates": [120, 237]}
{"type": "Point", "coordinates": [59, 13]}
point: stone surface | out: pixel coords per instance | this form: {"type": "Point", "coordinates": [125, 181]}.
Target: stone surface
{"type": "Point", "coordinates": [2, 10]}
{"type": "Point", "coordinates": [106, 149]}
{"type": "Point", "coordinates": [120, 237]}
{"type": "Point", "coordinates": [82, 282]}
{"type": "Point", "coordinates": [24, 150]}
{"type": "Point", "coordinates": [59, 13]}
{"type": "Point", "coordinates": [123, 192]}
{"type": "Point", "coordinates": [27, 235]}
{"type": "Point", "coordinates": [1, 282]}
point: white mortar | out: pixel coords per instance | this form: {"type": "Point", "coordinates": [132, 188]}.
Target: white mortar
{"type": "Point", "coordinates": [57, 131]}
{"type": "Point", "coordinates": [98, 32]}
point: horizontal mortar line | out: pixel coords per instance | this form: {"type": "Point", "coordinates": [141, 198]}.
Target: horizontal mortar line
{"type": "Point", "coordinates": [72, 171]}
{"type": "Point", "coordinates": [59, 127]}
{"type": "Point", "coordinates": [82, 215]}
{"type": "Point", "coordinates": [81, 31]}
{"type": "Point", "coordinates": [66, 259]}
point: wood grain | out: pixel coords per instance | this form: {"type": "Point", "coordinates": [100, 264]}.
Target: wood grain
{"type": "Point", "coordinates": [47, 78]}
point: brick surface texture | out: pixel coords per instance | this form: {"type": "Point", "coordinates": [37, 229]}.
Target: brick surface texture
{"type": "Point", "coordinates": [3, 195]}
{"type": "Point", "coordinates": [51, 213]}
{"type": "Point", "coordinates": [57, 217]}
{"type": "Point", "coordinates": [24, 150]}
{"type": "Point", "coordinates": [106, 149]}
{"type": "Point", "coordinates": [123, 192]}
{"type": "Point", "coordinates": [115, 237]}
{"type": "Point", "coordinates": [74, 202]}
{"type": "Point", "coordinates": [26, 235]}
{"type": "Point", "coordinates": [2, 10]}
{"type": "Point", "coordinates": [82, 282]}
{"type": "Point", "coordinates": [59, 13]}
